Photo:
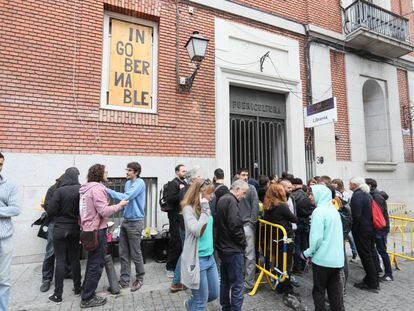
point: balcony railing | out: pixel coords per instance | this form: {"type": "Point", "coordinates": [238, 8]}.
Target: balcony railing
{"type": "Point", "coordinates": [372, 17]}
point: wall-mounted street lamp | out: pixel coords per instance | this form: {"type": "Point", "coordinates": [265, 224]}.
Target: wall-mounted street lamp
{"type": "Point", "coordinates": [196, 47]}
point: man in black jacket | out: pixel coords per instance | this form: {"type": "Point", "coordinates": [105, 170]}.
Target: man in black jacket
{"type": "Point", "coordinates": [230, 242]}
{"type": "Point", "coordinates": [381, 235]}
{"type": "Point", "coordinates": [363, 232]}
{"type": "Point", "coordinates": [63, 209]}
{"type": "Point", "coordinates": [303, 211]}
{"type": "Point", "coordinates": [173, 202]}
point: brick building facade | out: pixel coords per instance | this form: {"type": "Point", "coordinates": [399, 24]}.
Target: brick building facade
{"type": "Point", "coordinates": [53, 88]}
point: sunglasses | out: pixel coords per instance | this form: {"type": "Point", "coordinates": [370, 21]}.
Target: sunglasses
{"type": "Point", "coordinates": [206, 182]}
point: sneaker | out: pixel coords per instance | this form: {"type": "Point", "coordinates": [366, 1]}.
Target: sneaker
{"type": "Point", "coordinates": [169, 273]}
{"type": "Point", "coordinates": [293, 302]}
{"type": "Point", "coordinates": [45, 286]}
{"type": "Point", "coordinates": [386, 278]}
{"type": "Point", "coordinates": [77, 291]}
{"type": "Point", "coordinates": [55, 299]}
{"type": "Point", "coordinates": [136, 285]}
{"type": "Point", "coordinates": [362, 285]}
{"type": "Point", "coordinates": [95, 301]}
{"type": "Point", "coordinates": [177, 287]}
{"type": "Point", "coordinates": [123, 284]}
{"type": "Point", "coordinates": [293, 281]}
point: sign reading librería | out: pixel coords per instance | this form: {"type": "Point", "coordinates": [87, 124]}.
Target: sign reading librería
{"type": "Point", "coordinates": [130, 81]}
{"type": "Point", "coordinates": [321, 113]}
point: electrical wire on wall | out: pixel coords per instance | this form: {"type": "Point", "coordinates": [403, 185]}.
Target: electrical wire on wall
{"type": "Point", "coordinates": [96, 134]}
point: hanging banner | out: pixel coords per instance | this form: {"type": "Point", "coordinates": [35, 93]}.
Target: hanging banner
{"type": "Point", "coordinates": [321, 113]}
{"type": "Point", "coordinates": [130, 80]}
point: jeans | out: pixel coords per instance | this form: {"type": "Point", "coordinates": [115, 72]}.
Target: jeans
{"type": "Point", "coordinates": [66, 243]}
{"type": "Point", "coordinates": [177, 273]}
{"type": "Point", "coordinates": [130, 249]}
{"type": "Point", "coordinates": [381, 247]}
{"type": "Point", "coordinates": [250, 256]}
{"type": "Point", "coordinates": [6, 249]}
{"type": "Point", "coordinates": [174, 245]}
{"type": "Point", "coordinates": [344, 273]}
{"type": "Point", "coordinates": [209, 285]}
{"type": "Point", "coordinates": [231, 283]}
{"type": "Point", "coordinates": [48, 267]}
{"type": "Point", "coordinates": [94, 266]}
{"type": "Point", "coordinates": [327, 279]}
{"type": "Point", "coordinates": [301, 244]}
{"type": "Point", "coordinates": [352, 244]}
{"type": "Point", "coordinates": [365, 242]}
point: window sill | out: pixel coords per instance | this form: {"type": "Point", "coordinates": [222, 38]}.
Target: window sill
{"type": "Point", "coordinates": [372, 166]}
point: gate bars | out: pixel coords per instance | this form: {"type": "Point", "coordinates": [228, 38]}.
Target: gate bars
{"type": "Point", "coordinates": [272, 249]}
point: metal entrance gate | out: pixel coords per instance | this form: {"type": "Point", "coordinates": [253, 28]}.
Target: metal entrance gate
{"type": "Point", "coordinates": [258, 144]}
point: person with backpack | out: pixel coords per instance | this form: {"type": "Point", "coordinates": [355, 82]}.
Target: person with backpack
{"type": "Point", "coordinates": [192, 176]}
{"type": "Point", "coordinates": [363, 232]}
{"type": "Point", "coordinates": [381, 235]}
{"type": "Point", "coordinates": [325, 250]}
{"type": "Point", "coordinates": [173, 209]}
{"type": "Point", "coordinates": [94, 211]}
{"type": "Point", "coordinates": [346, 220]}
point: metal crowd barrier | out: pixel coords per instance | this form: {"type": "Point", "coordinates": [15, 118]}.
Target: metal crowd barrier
{"type": "Point", "coordinates": [402, 239]}
{"type": "Point", "coordinates": [272, 254]}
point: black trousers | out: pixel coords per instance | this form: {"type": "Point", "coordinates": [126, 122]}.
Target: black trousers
{"type": "Point", "coordinates": [174, 246]}
{"type": "Point", "coordinates": [94, 267]}
{"type": "Point", "coordinates": [66, 243]}
{"type": "Point", "coordinates": [48, 267]}
{"type": "Point", "coordinates": [327, 279]}
{"type": "Point", "coordinates": [365, 243]}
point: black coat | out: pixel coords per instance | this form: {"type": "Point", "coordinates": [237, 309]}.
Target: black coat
{"type": "Point", "coordinates": [173, 197]}
{"type": "Point", "coordinates": [376, 195]}
{"type": "Point", "coordinates": [63, 207]}
{"type": "Point", "coordinates": [303, 203]}
{"type": "Point", "coordinates": [361, 212]}
{"type": "Point", "coordinates": [281, 215]}
{"type": "Point", "coordinates": [228, 226]}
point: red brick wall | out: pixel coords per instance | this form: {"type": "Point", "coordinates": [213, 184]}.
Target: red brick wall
{"type": "Point", "coordinates": [343, 150]}
{"type": "Point", "coordinates": [37, 90]}
{"type": "Point", "coordinates": [405, 121]}
{"type": "Point", "coordinates": [405, 8]}
{"type": "Point", "coordinates": [322, 13]}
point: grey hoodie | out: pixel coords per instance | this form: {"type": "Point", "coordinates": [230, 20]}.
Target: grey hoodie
{"type": "Point", "coordinates": [9, 207]}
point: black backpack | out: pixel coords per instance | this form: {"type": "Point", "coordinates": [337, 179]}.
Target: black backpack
{"type": "Point", "coordinates": [163, 198]}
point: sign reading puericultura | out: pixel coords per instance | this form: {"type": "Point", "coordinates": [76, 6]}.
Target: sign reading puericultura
{"type": "Point", "coordinates": [130, 80]}
{"type": "Point", "coordinates": [321, 113]}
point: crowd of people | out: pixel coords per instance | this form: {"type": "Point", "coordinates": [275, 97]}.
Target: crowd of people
{"type": "Point", "coordinates": [217, 230]}
{"type": "Point", "coordinates": [213, 230]}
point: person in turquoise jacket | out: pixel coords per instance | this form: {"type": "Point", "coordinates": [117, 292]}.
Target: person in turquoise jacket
{"type": "Point", "coordinates": [325, 250]}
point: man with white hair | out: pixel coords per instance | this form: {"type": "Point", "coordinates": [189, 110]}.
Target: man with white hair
{"type": "Point", "coordinates": [363, 232]}
{"type": "Point", "coordinates": [230, 242]}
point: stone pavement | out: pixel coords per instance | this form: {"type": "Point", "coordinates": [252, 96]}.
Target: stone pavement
{"type": "Point", "coordinates": [155, 296]}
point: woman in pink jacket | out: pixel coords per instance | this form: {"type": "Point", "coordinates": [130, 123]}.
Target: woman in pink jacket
{"type": "Point", "coordinates": [94, 212]}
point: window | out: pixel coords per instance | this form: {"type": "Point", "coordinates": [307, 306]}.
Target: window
{"type": "Point", "coordinates": [150, 219]}
{"type": "Point", "coordinates": [129, 64]}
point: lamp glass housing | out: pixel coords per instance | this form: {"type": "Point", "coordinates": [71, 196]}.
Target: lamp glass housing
{"type": "Point", "coordinates": [196, 47]}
